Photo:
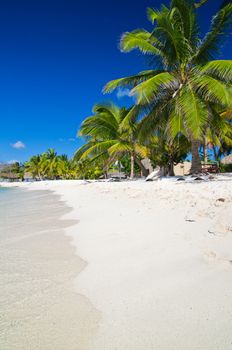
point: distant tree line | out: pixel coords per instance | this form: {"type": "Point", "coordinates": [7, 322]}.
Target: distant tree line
{"type": "Point", "coordinates": [51, 166]}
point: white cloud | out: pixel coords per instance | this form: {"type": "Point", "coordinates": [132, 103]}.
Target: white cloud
{"type": "Point", "coordinates": [70, 139]}
{"type": "Point", "coordinates": [13, 161]}
{"type": "Point", "coordinates": [18, 145]}
{"type": "Point", "coordinates": [123, 92]}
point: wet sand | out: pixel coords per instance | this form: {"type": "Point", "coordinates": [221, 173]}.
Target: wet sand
{"type": "Point", "coordinates": [40, 308]}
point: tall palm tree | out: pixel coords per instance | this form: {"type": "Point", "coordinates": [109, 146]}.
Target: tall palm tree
{"type": "Point", "coordinates": [185, 82]}
{"type": "Point", "coordinates": [107, 137]}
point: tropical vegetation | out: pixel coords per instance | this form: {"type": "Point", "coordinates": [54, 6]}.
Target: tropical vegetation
{"type": "Point", "coordinates": [187, 90]}
{"type": "Point", "coordinates": [109, 140]}
{"type": "Point", "coordinates": [50, 165]}
{"type": "Point", "coordinates": [13, 171]}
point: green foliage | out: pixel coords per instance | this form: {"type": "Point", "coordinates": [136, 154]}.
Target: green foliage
{"type": "Point", "coordinates": [12, 171]}
{"type": "Point", "coordinates": [126, 166]}
{"type": "Point", "coordinates": [51, 166]}
{"type": "Point", "coordinates": [167, 153]}
{"type": "Point", "coordinates": [220, 29]}
{"type": "Point", "coordinates": [226, 168]}
{"type": "Point", "coordinates": [110, 135]}
{"type": "Point", "coordinates": [186, 88]}
{"type": "Point", "coordinates": [89, 170]}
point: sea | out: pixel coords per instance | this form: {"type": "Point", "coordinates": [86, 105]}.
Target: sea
{"type": "Point", "coordinates": [39, 307]}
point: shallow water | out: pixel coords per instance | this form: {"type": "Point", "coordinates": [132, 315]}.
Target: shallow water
{"type": "Point", "coordinates": [39, 306]}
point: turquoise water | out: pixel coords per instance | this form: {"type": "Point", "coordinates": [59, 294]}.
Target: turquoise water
{"type": "Point", "coordinates": [4, 189]}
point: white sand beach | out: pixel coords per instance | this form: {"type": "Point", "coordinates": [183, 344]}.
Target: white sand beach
{"type": "Point", "coordinates": [158, 261]}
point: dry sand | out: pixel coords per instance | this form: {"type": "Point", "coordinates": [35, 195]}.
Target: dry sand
{"type": "Point", "coordinates": [159, 261]}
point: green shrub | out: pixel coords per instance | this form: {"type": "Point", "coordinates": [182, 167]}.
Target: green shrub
{"type": "Point", "coordinates": [226, 168]}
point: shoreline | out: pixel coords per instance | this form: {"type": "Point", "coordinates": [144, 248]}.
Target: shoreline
{"type": "Point", "coordinates": [158, 261]}
{"type": "Point", "coordinates": [41, 308]}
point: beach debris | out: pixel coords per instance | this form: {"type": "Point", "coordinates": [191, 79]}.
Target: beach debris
{"type": "Point", "coordinates": [198, 178]}
{"type": "Point", "coordinates": [180, 178]}
{"type": "Point", "coordinates": [193, 177]}
{"type": "Point", "coordinates": [155, 175]}
{"type": "Point", "coordinates": [189, 220]}
{"type": "Point", "coordinates": [220, 200]}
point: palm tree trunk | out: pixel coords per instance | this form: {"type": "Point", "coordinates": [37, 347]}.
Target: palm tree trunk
{"type": "Point", "coordinates": [196, 161]}
{"type": "Point", "coordinates": [132, 165]}
{"type": "Point", "coordinates": [144, 171]}
{"type": "Point", "coordinates": [119, 169]}
{"type": "Point", "coordinates": [206, 151]}
{"type": "Point", "coordinates": [171, 168]}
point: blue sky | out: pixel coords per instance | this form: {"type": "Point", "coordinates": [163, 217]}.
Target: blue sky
{"type": "Point", "coordinates": [56, 55]}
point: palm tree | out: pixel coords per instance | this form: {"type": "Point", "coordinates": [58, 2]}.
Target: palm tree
{"type": "Point", "coordinates": [65, 168]}
{"type": "Point", "coordinates": [185, 82]}
{"type": "Point", "coordinates": [33, 166]}
{"type": "Point", "coordinates": [108, 138]}
{"type": "Point", "coordinates": [49, 162]}
{"type": "Point", "coordinates": [52, 166]}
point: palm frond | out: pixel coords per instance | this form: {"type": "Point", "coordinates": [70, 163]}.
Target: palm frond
{"type": "Point", "coordinates": [104, 122]}
{"type": "Point", "coordinates": [81, 150]}
{"type": "Point", "coordinates": [219, 126]}
{"type": "Point", "coordinates": [129, 121]}
{"type": "Point", "coordinates": [108, 108]}
{"type": "Point", "coordinates": [139, 39]}
{"type": "Point", "coordinates": [98, 125]}
{"type": "Point", "coordinates": [213, 90]}
{"type": "Point", "coordinates": [131, 81]}
{"type": "Point", "coordinates": [118, 148]}
{"type": "Point", "coordinates": [189, 20]}
{"type": "Point", "coordinates": [95, 148]}
{"type": "Point", "coordinates": [221, 69]}
{"type": "Point", "coordinates": [169, 32]}
{"type": "Point", "coordinates": [193, 111]}
{"type": "Point", "coordinates": [175, 125]}
{"type": "Point", "coordinates": [146, 90]}
{"type": "Point", "coordinates": [155, 119]}
{"type": "Point", "coordinates": [142, 150]}
{"type": "Point", "coordinates": [152, 14]}
{"type": "Point", "coordinates": [220, 29]}
{"type": "Point", "coordinates": [200, 3]}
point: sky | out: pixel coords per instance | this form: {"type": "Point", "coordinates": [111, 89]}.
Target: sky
{"type": "Point", "coordinates": [56, 56]}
